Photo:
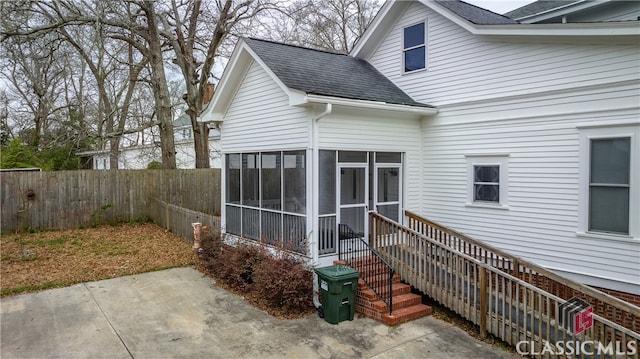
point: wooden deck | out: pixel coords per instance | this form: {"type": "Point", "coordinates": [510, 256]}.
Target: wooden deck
{"type": "Point", "coordinates": [504, 295]}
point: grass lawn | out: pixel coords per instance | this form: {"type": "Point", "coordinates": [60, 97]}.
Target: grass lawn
{"type": "Point", "coordinates": [35, 261]}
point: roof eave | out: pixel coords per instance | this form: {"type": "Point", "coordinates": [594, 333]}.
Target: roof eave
{"type": "Point", "coordinates": [393, 9]}
{"type": "Point", "coordinates": [242, 57]}
{"type": "Point", "coordinates": [625, 28]}
{"type": "Point", "coordinates": [560, 10]}
{"type": "Point", "coordinates": [365, 104]}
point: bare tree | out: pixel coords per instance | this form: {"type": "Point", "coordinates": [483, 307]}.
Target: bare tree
{"type": "Point", "coordinates": [334, 25]}
{"type": "Point", "coordinates": [135, 24]}
{"type": "Point", "coordinates": [35, 78]}
{"type": "Point", "coordinates": [196, 50]}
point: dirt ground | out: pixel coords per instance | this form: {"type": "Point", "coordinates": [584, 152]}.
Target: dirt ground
{"type": "Point", "coordinates": [42, 260]}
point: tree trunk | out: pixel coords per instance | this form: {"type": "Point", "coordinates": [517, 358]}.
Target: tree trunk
{"type": "Point", "coordinates": [160, 90]}
{"type": "Point", "coordinates": [114, 144]}
{"type": "Point", "coordinates": [201, 145]}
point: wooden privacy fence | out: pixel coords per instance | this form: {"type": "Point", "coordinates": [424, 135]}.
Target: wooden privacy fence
{"type": "Point", "coordinates": [72, 199]}
{"type": "Point", "coordinates": [178, 219]}
{"type": "Point", "coordinates": [500, 303]}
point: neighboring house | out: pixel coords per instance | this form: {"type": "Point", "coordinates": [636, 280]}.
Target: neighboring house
{"type": "Point", "coordinates": [560, 11]}
{"type": "Point", "coordinates": [525, 136]}
{"type": "Point", "coordinates": [138, 156]}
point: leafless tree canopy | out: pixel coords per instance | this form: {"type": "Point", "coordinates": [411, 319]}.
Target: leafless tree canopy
{"type": "Point", "coordinates": [108, 74]}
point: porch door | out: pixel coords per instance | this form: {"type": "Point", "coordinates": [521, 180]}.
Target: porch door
{"type": "Point", "coordinates": [387, 190]}
{"type": "Point", "coordinates": [353, 198]}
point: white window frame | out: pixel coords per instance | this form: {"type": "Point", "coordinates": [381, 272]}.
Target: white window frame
{"type": "Point", "coordinates": [426, 53]}
{"type": "Point", "coordinates": [588, 133]}
{"type": "Point", "coordinates": [502, 161]}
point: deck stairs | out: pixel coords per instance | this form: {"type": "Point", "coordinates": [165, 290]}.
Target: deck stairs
{"type": "Point", "coordinates": [407, 306]}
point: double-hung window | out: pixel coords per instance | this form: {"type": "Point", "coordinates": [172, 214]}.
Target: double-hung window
{"type": "Point", "coordinates": [609, 185]}
{"type": "Point", "coordinates": [487, 180]}
{"type": "Point", "coordinates": [609, 180]}
{"type": "Point", "coordinates": [414, 49]}
{"type": "Point", "coordinates": [486, 183]}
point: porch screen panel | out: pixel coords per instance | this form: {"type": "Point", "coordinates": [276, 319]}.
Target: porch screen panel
{"type": "Point", "coordinates": [352, 189]}
{"type": "Point", "coordinates": [250, 223]}
{"type": "Point", "coordinates": [294, 236]}
{"type": "Point", "coordinates": [327, 230]}
{"type": "Point", "coordinates": [388, 185]}
{"type": "Point", "coordinates": [233, 178]}
{"type": "Point", "coordinates": [271, 231]}
{"type": "Point", "coordinates": [390, 211]}
{"type": "Point", "coordinates": [250, 180]}
{"type": "Point", "coordinates": [271, 185]}
{"type": "Point", "coordinates": [354, 219]}
{"type": "Point", "coordinates": [295, 188]}
{"type": "Point", "coordinates": [327, 182]}
{"type": "Point", "coordinates": [352, 156]}
{"type": "Point", "coordinates": [233, 222]}
{"type": "Point", "coordinates": [388, 157]}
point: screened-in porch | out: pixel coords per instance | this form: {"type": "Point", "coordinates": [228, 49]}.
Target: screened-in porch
{"type": "Point", "coordinates": [350, 184]}
{"type": "Point", "coordinates": [266, 197]}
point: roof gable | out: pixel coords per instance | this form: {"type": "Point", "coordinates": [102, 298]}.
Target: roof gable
{"type": "Point", "coordinates": [480, 21]}
{"type": "Point", "coordinates": [310, 76]}
{"type": "Point", "coordinates": [328, 74]}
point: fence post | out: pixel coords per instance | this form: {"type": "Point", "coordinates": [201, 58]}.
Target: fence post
{"type": "Point", "coordinates": [166, 217]}
{"type": "Point", "coordinates": [483, 302]}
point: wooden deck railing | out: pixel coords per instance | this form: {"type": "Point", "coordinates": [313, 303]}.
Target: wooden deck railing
{"type": "Point", "coordinates": [605, 305]}
{"type": "Point", "coordinates": [478, 283]}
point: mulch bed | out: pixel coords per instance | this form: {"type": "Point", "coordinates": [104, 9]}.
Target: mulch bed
{"type": "Point", "coordinates": [48, 259]}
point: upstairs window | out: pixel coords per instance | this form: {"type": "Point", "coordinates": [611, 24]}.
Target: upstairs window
{"type": "Point", "coordinates": [414, 50]}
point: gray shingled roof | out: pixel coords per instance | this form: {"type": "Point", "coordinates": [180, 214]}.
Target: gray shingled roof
{"type": "Point", "coordinates": [537, 7]}
{"type": "Point", "coordinates": [328, 74]}
{"type": "Point", "coordinates": [474, 14]}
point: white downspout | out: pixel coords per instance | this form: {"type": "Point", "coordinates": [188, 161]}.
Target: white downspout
{"type": "Point", "coordinates": [316, 184]}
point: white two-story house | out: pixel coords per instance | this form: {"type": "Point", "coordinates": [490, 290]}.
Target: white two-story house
{"type": "Point", "coordinates": [525, 136]}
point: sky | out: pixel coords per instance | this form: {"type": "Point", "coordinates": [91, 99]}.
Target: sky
{"type": "Point", "coordinates": [499, 6]}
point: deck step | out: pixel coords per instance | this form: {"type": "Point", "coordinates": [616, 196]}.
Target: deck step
{"type": "Point", "coordinates": [399, 302]}
{"type": "Point", "coordinates": [397, 289]}
{"type": "Point", "coordinates": [407, 314]}
{"type": "Point", "coordinates": [378, 280]}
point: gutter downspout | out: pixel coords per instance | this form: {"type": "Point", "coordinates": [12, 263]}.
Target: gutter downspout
{"type": "Point", "coordinates": [315, 196]}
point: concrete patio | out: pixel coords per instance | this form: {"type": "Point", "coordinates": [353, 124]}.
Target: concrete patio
{"type": "Point", "coordinates": [180, 313]}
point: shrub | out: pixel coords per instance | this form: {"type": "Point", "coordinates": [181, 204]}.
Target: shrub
{"type": "Point", "coordinates": [212, 249]}
{"type": "Point", "coordinates": [284, 283]}
{"type": "Point", "coordinates": [239, 265]}
{"type": "Point", "coordinates": [154, 165]}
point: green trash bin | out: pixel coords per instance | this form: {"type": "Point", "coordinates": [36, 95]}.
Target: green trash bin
{"type": "Point", "coordinates": [338, 285]}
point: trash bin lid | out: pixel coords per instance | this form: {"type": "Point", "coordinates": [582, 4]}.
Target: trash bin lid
{"type": "Point", "coordinates": [337, 272]}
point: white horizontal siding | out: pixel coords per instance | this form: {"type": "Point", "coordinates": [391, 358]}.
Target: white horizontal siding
{"type": "Point", "coordinates": [543, 181]}
{"type": "Point", "coordinates": [524, 99]}
{"type": "Point", "coordinates": [370, 132]}
{"type": "Point", "coordinates": [462, 66]}
{"type": "Point", "coordinates": [260, 118]}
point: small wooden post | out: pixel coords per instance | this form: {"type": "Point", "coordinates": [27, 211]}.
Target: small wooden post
{"type": "Point", "coordinates": [197, 228]}
{"type": "Point", "coordinates": [483, 302]}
